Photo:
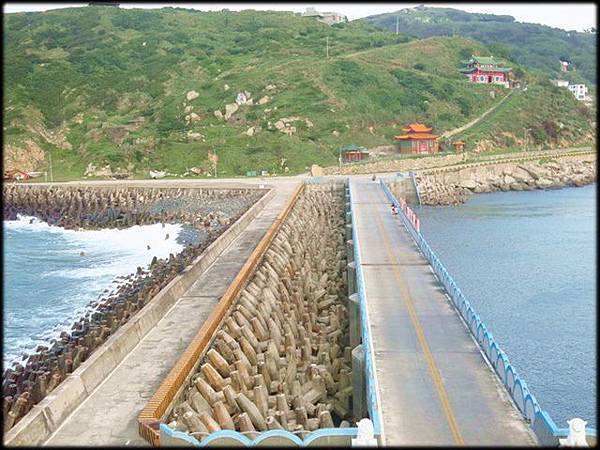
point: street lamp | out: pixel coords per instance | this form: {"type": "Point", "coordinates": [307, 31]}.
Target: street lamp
{"type": "Point", "coordinates": [525, 130]}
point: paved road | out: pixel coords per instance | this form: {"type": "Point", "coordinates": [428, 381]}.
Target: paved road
{"type": "Point", "coordinates": [109, 416]}
{"type": "Point", "coordinates": [435, 388]}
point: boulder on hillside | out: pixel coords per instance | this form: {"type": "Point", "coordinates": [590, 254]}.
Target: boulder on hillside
{"type": "Point", "coordinates": [121, 174]}
{"type": "Point", "coordinates": [230, 109]}
{"type": "Point", "coordinates": [194, 136]}
{"type": "Point", "coordinates": [154, 174]}
{"type": "Point", "coordinates": [92, 171]}
{"type": "Point", "coordinates": [218, 114]}
{"type": "Point", "coordinates": [191, 95]}
{"type": "Point", "coordinates": [316, 171]}
{"type": "Point", "coordinates": [264, 100]}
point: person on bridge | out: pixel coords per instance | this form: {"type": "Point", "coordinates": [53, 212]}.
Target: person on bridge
{"type": "Point", "coordinates": [394, 210]}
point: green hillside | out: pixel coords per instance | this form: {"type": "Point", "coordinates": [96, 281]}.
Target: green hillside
{"type": "Point", "coordinates": [533, 46]}
{"type": "Point", "coordinates": [138, 89]}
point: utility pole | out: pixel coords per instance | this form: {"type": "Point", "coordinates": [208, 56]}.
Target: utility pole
{"type": "Point", "coordinates": [327, 46]}
{"type": "Point", "coordinates": [525, 130]}
{"type": "Point", "coordinates": [216, 163]}
{"type": "Point", "coordinates": [340, 160]}
{"type": "Point", "coordinates": [51, 174]}
{"type": "Point", "coordinates": [396, 24]}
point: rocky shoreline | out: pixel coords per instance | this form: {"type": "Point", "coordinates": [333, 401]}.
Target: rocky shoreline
{"type": "Point", "coordinates": [439, 187]}
{"type": "Point", "coordinates": [206, 213]}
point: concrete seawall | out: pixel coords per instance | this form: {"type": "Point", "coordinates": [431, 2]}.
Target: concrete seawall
{"type": "Point", "coordinates": [47, 416]}
{"type": "Point", "coordinates": [454, 185]}
{"type": "Point", "coordinates": [405, 163]}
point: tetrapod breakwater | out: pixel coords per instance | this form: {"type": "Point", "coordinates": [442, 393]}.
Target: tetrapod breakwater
{"type": "Point", "coordinates": [279, 358]}
{"type": "Point", "coordinates": [209, 211]}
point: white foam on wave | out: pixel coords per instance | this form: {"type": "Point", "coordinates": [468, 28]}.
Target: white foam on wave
{"type": "Point", "coordinates": [110, 251]}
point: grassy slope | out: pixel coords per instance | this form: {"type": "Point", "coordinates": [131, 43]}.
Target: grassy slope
{"type": "Point", "coordinates": [88, 70]}
{"type": "Point", "coordinates": [531, 45]}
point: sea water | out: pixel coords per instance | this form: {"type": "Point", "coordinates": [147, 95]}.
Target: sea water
{"type": "Point", "coordinates": [48, 284]}
{"type": "Point", "coordinates": [527, 263]}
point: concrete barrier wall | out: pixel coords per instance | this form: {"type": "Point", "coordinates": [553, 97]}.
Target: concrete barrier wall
{"type": "Point", "coordinates": [44, 418]}
{"type": "Point", "coordinates": [158, 407]}
{"type": "Point", "coordinates": [517, 388]}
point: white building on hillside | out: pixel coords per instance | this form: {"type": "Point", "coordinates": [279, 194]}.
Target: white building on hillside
{"type": "Point", "coordinates": [579, 91]}
{"type": "Point", "coordinates": [329, 18]}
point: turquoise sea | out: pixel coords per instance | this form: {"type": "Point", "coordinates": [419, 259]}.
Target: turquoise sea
{"type": "Point", "coordinates": [527, 263]}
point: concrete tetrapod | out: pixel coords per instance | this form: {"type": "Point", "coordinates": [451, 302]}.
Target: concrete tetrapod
{"type": "Point", "coordinates": [284, 343]}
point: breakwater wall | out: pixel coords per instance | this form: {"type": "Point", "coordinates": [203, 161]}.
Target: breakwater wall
{"type": "Point", "coordinates": [543, 426]}
{"type": "Point", "coordinates": [279, 358]}
{"type": "Point", "coordinates": [405, 163]}
{"type": "Point", "coordinates": [58, 377]}
{"type": "Point", "coordinates": [94, 207]}
{"type": "Point", "coordinates": [454, 185]}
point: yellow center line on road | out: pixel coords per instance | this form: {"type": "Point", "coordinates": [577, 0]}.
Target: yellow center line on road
{"type": "Point", "coordinates": [433, 369]}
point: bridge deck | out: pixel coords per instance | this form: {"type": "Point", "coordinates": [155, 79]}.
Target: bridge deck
{"type": "Point", "coordinates": [434, 385]}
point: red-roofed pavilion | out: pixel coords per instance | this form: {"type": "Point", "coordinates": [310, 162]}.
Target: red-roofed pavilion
{"type": "Point", "coordinates": [417, 139]}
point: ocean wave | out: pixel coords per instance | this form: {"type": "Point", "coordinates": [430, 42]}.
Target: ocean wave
{"type": "Point", "coordinates": [49, 285]}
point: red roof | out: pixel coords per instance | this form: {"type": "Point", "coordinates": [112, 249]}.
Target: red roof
{"type": "Point", "coordinates": [416, 136]}
{"type": "Point", "coordinates": [417, 128]}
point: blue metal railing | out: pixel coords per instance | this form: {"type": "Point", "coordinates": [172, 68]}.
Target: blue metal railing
{"type": "Point", "coordinates": [515, 385]}
{"type": "Point", "coordinates": [372, 403]}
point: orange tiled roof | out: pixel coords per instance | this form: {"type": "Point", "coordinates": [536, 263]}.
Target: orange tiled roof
{"type": "Point", "coordinates": [416, 136]}
{"type": "Point", "coordinates": [417, 128]}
